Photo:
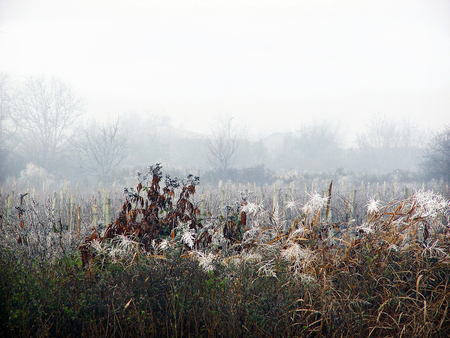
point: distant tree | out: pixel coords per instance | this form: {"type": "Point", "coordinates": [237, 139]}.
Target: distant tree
{"type": "Point", "coordinates": [5, 101]}
{"type": "Point", "coordinates": [155, 148]}
{"type": "Point", "coordinates": [251, 153]}
{"type": "Point", "coordinates": [10, 161]}
{"type": "Point", "coordinates": [100, 147]}
{"type": "Point", "coordinates": [149, 136]}
{"type": "Point", "coordinates": [221, 148]}
{"type": "Point", "coordinates": [313, 147]}
{"type": "Point", "coordinates": [44, 114]}
{"type": "Point", "coordinates": [389, 144]}
{"type": "Point", "coordinates": [384, 133]}
{"type": "Point", "coordinates": [436, 158]}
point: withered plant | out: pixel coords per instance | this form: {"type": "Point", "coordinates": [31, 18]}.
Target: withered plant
{"type": "Point", "coordinates": [150, 214]}
{"type": "Point", "coordinates": [255, 269]}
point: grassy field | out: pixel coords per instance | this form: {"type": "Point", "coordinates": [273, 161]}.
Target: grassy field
{"type": "Point", "coordinates": [305, 259]}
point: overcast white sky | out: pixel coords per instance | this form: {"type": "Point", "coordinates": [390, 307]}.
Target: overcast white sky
{"type": "Point", "coordinates": [277, 64]}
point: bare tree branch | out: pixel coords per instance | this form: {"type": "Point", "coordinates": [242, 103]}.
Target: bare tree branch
{"type": "Point", "coordinates": [44, 113]}
{"type": "Point", "coordinates": [222, 147]}
{"type": "Point", "coordinates": [5, 104]}
{"type": "Point", "coordinates": [389, 144]}
{"type": "Point", "coordinates": [101, 147]}
{"type": "Point", "coordinates": [436, 158]}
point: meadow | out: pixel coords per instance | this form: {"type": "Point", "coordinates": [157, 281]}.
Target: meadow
{"type": "Point", "coordinates": [299, 257]}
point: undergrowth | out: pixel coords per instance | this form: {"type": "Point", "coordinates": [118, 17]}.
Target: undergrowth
{"type": "Point", "coordinates": [163, 269]}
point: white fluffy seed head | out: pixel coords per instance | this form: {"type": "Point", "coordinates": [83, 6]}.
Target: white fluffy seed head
{"type": "Point", "coordinates": [373, 206]}
{"type": "Point", "coordinates": [315, 203]}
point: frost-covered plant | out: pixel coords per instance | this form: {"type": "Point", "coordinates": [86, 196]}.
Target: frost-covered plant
{"type": "Point", "coordinates": [252, 208]}
{"type": "Point", "coordinates": [118, 250]}
{"type": "Point", "coordinates": [366, 228]}
{"type": "Point", "coordinates": [164, 245]}
{"type": "Point", "coordinates": [313, 207]}
{"type": "Point", "coordinates": [251, 257]}
{"type": "Point", "coordinates": [100, 250]}
{"type": "Point", "coordinates": [435, 249]}
{"type": "Point", "coordinates": [125, 243]}
{"type": "Point", "coordinates": [307, 279]}
{"type": "Point", "coordinates": [187, 235]}
{"type": "Point", "coordinates": [152, 213]}
{"type": "Point", "coordinates": [218, 239]}
{"type": "Point", "coordinates": [205, 260]}
{"type": "Point", "coordinates": [34, 174]}
{"type": "Point", "coordinates": [299, 257]}
{"type": "Point", "coordinates": [292, 205]}
{"type": "Point", "coordinates": [406, 223]}
{"type": "Point", "coordinates": [373, 206]}
{"type": "Point", "coordinates": [267, 268]}
{"type": "Point", "coordinates": [314, 204]}
{"type": "Point", "coordinates": [428, 204]}
{"type": "Point", "coordinates": [277, 217]}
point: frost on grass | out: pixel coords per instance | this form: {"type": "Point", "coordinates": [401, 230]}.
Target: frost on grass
{"type": "Point", "coordinates": [205, 260]}
{"type": "Point", "coordinates": [373, 206]}
{"type": "Point", "coordinates": [366, 228]}
{"type": "Point", "coordinates": [267, 268]}
{"type": "Point", "coordinates": [187, 234]}
{"type": "Point", "coordinates": [300, 258]}
{"type": "Point", "coordinates": [164, 245]}
{"type": "Point", "coordinates": [313, 206]}
{"type": "Point", "coordinates": [119, 248]}
{"type": "Point", "coordinates": [218, 239]}
{"type": "Point", "coordinates": [125, 244]}
{"type": "Point", "coordinates": [97, 246]}
{"type": "Point", "coordinates": [315, 203]}
{"type": "Point", "coordinates": [433, 249]}
{"type": "Point", "coordinates": [277, 217]}
{"type": "Point", "coordinates": [292, 205]}
{"type": "Point", "coordinates": [102, 252]}
{"type": "Point", "coordinates": [307, 279]}
{"type": "Point", "coordinates": [429, 204]}
{"type": "Point", "coordinates": [252, 208]}
{"type": "Point", "coordinates": [428, 211]}
{"type": "Point", "coordinates": [414, 221]}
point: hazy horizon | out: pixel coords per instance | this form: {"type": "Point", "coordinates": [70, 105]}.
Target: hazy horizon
{"type": "Point", "coordinates": [273, 65]}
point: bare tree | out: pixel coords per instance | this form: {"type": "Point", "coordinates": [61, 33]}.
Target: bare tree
{"type": "Point", "coordinates": [314, 147]}
{"type": "Point", "coordinates": [436, 158]}
{"type": "Point", "coordinates": [221, 148]}
{"type": "Point", "coordinates": [388, 144]}
{"type": "Point", "coordinates": [149, 141]}
{"type": "Point", "coordinates": [384, 133]}
{"type": "Point", "coordinates": [5, 101]}
{"type": "Point", "coordinates": [44, 114]}
{"type": "Point", "coordinates": [101, 147]}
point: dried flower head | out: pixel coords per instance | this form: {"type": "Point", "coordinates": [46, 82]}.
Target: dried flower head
{"type": "Point", "coordinates": [252, 208]}
{"type": "Point", "coordinates": [373, 206]}
{"type": "Point", "coordinates": [292, 205]}
{"type": "Point", "coordinates": [315, 203]}
{"type": "Point", "coordinates": [429, 204]}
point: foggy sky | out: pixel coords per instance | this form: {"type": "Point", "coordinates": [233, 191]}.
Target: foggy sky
{"type": "Point", "coordinates": [272, 64]}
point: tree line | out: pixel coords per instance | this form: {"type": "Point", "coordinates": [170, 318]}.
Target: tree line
{"type": "Point", "coordinates": [42, 122]}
